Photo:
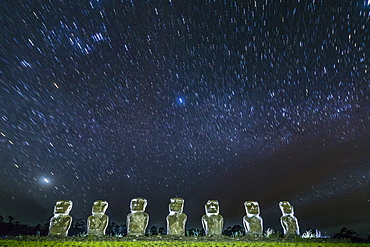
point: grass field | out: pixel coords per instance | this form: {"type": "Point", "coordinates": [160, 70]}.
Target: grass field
{"type": "Point", "coordinates": [183, 242]}
{"type": "Point", "coordinates": [15, 243]}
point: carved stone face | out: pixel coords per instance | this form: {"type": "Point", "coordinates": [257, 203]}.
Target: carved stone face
{"type": "Point", "coordinates": [99, 207]}
{"type": "Point", "coordinates": [286, 207]}
{"type": "Point", "coordinates": [138, 204]}
{"type": "Point", "coordinates": [176, 205]}
{"type": "Point", "coordinates": [212, 207]}
{"type": "Point", "coordinates": [252, 207]}
{"type": "Point", "coordinates": [63, 207]}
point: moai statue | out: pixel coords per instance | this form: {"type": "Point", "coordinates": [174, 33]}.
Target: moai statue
{"type": "Point", "coordinates": [212, 221]}
{"type": "Point", "coordinates": [176, 220]}
{"type": "Point", "coordinates": [61, 221]}
{"type": "Point", "coordinates": [288, 221]}
{"type": "Point", "coordinates": [137, 220]}
{"type": "Point", "coordinates": [97, 222]}
{"type": "Point", "coordinates": [253, 223]}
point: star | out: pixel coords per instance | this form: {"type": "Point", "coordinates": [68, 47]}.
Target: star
{"type": "Point", "coordinates": [45, 181]}
{"type": "Point", "coordinates": [165, 98]}
{"type": "Point", "coordinates": [180, 100]}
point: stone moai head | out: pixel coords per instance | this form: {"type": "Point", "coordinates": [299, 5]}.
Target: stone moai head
{"type": "Point", "coordinates": [137, 220]}
{"type": "Point", "coordinates": [61, 221]}
{"type": "Point", "coordinates": [99, 207]}
{"type": "Point", "coordinates": [176, 219]}
{"type": "Point", "coordinates": [252, 208]}
{"type": "Point", "coordinates": [288, 221]}
{"type": "Point", "coordinates": [286, 208]}
{"type": "Point", "coordinates": [212, 207]}
{"type": "Point", "coordinates": [138, 204]}
{"type": "Point", "coordinates": [253, 223]}
{"type": "Point", "coordinates": [97, 222]}
{"type": "Point", "coordinates": [212, 222]}
{"type": "Point", "coordinates": [62, 207]}
{"type": "Point", "coordinates": [176, 205]}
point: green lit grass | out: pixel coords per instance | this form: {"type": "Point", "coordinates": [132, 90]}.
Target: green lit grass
{"type": "Point", "coordinates": [185, 242]}
{"type": "Point", "coordinates": [15, 243]}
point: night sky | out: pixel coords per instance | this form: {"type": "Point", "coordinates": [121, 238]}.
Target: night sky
{"type": "Point", "coordinates": [262, 100]}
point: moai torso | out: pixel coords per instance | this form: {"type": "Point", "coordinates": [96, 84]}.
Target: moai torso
{"type": "Point", "coordinates": [253, 223]}
{"type": "Point", "coordinates": [176, 220]}
{"type": "Point", "coordinates": [137, 220]}
{"type": "Point", "coordinates": [212, 222]}
{"type": "Point", "coordinates": [61, 221]}
{"type": "Point", "coordinates": [97, 222]}
{"type": "Point", "coordinates": [288, 221]}
{"type": "Point", "coordinates": [290, 225]}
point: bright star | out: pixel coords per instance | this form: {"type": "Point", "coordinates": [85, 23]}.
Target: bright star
{"type": "Point", "coordinates": [180, 100]}
{"type": "Point", "coordinates": [44, 180]}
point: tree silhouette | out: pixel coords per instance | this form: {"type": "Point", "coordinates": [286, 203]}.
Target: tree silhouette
{"type": "Point", "coordinates": [14, 228]}
{"type": "Point", "coordinates": [238, 229]}
{"type": "Point", "coordinates": [153, 230]}
{"type": "Point", "coordinates": [10, 219]}
{"type": "Point", "coordinates": [78, 227]}
{"type": "Point", "coordinates": [228, 231]}
{"type": "Point", "coordinates": [350, 234]}
{"type": "Point", "coordinates": [162, 231]}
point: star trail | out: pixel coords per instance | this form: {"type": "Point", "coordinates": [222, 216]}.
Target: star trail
{"type": "Point", "coordinates": [262, 100]}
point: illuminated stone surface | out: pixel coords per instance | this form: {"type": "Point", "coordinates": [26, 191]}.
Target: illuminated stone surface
{"type": "Point", "coordinates": [97, 222]}
{"type": "Point", "coordinates": [253, 223]}
{"type": "Point", "coordinates": [288, 221]}
{"type": "Point", "coordinates": [176, 219]}
{"type": "Point", "coordinates": [137, 220]}
{"type": "Point", "coordinates": [212, 221]}
{"type": "Point", "coordinates": [61, 221]}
